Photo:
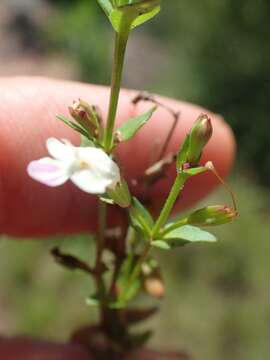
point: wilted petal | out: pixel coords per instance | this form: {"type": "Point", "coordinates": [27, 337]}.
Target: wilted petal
{"type": "Point", "coordinates": [60, 150]}
{"type": "Point", "coordinates": [48, 171]}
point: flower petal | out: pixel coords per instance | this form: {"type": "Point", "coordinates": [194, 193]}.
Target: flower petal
{"type": "Point", "coordinates": [60, 150]}
{"type": "Point", "coordinates": [90, 182]}
{"type": "Point", "coordinates": [100, 163]}
{"type": "Point", "coordinates": [48, 171]}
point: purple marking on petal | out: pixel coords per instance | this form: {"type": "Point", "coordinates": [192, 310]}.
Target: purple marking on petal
{"type": "Point", "coordinates": [39, 167]}
{"type": "Point", "coordinates": [47, 172]}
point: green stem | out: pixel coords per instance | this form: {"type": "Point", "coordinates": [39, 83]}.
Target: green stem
{"type": "Point", "coordinates": [174, 226]}
{"type": "Point", "coordinates": [137, 269]}
{"type": "Point", "coordinates": [167, 208]}
{"type": "Point", "coordinates": [102, 219]}
{"type": "Point", "coordinates": [177, 187]}
{"type": "Point", "coordinates": [119, 55]}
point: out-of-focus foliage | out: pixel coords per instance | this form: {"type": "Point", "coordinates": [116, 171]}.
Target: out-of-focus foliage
{"type": "Point", "coordinates": [217, 54]}
{"type": "Point", "coordinates": [79, 30]}
{"type": "Point", "coordinates": [221, 52]}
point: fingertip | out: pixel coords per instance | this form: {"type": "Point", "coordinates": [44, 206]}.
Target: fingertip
{"type": "Point", "coordinates": [222, 147]}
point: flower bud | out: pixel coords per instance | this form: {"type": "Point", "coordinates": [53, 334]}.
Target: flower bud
{"type": "Point", "coordinates": [212, 215]}
{"type": "Point", "coordinates": [86, 116]}
{"type": "Point", "coordinates": [191, 150]}
{"type": "Point", "coordinates": [120, 194]}
{"type": "Point", "coordinates": [154, 286]}
{"type": "Point", "coordinates": [200, 134]}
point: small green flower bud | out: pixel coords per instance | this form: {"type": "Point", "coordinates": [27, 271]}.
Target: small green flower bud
{"type": "Point", "coordinates": [120, 194]}
{"type": "Point", "coordinates": [200, 134]}
{"type": "Point", "coordinates": [212, 215]}
{"type": "Point", "coordinates": [191, 150]}
{"type": "Point", "coordinates": [86, 116]}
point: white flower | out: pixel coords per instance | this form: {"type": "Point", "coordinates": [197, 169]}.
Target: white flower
{"type": "Point", "coordinates": [91, 169]}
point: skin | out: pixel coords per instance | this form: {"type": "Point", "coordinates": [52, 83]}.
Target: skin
{"type": "Point", "coordinates": [29, 209]}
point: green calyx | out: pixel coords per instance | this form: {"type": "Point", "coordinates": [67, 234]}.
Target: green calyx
{"type": "Point", "coordinates": [212, 215]}
{"type": "Point", "coordinates": [120, 195]}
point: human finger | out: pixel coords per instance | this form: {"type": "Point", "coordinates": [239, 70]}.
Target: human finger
{"type": "Point", "coordinates": [27, 116]}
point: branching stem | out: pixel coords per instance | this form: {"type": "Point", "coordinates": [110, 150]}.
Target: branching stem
{"type": "Point", "coordinates": [167, 208]}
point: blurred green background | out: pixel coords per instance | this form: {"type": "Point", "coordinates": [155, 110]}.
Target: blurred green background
{"type": "Point", "coordinates": [214, 53]}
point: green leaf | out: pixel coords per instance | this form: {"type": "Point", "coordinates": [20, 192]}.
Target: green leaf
{"type": "Point", "coordinates": [126, 15]}
{"type": "Point", "coordinates": [140, 339]}
{"type": "Point", "coordinates": [160, 244]}
{"type": "Point", "coordinates": [72, 125]}
{"type": "Point", "coordinates": [140, 217]}
{"type": "Point", "coordinates": [195, 170]}
{"type": "Point", "coordinates": [119, 3]}
{"type": "Point", "coordinates": [145, 13]}
{"type": "Point", "coordinates": [133, 125]}
{"type": "Point", "coordinates": [85, 142]}
{"type": "Point", "coordinates": [132, 290]}
{"type": "Point", "coordinates": [107, 6]}
{"type": "Point", "coordinates": [125, 271]}
{"type": "Point", "coordinates": [92, 300]}
{"type": "Point", "coordinates": [188, 234]}
{"type": "Point", "coordinates": [127, 290]}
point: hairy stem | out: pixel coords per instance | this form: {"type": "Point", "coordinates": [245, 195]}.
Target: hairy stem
{"type": "Point", "coordinates": [117, 70]}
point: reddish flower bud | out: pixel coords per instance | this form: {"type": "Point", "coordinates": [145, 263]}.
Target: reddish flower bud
{"type": "Point", "coordinates": [86, 116]}
{"type": "Point", "coordinates": [154, 286]}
